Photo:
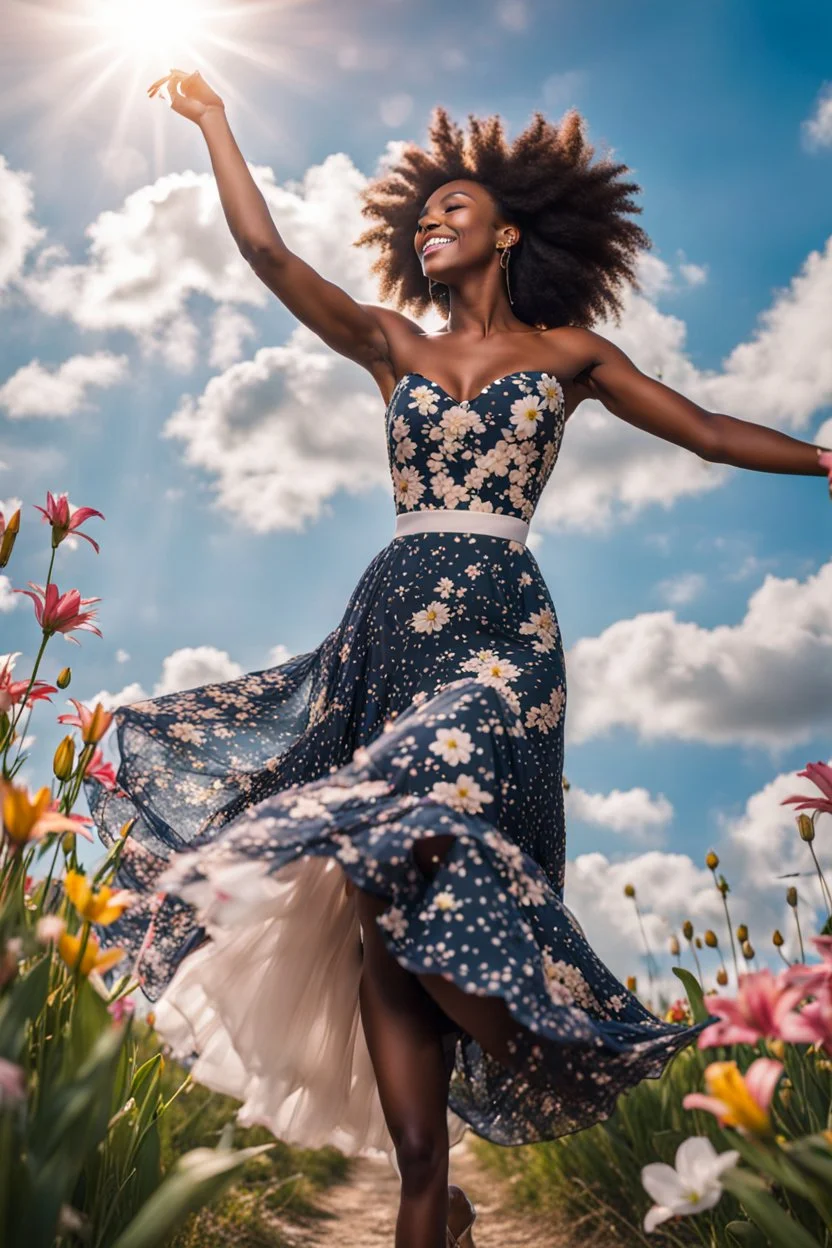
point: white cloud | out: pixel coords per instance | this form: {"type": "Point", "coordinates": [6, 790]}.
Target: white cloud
{"type": "Point", "coordinates": [278, 655]}
{"type": "Point", "coordinates": [18, 232]}
{"type": "Point", "coordinates": [193, 666]}
{"type": "Point", "coordinates": [8, 598]}
{"type": "Point", "coordinates": [34, 390]}
{"type": "Point", "coordinates": [817, 129]}
{"type": "Point", "coordinates": [513, 14]}
{"type": "Point", "coordinates": [634, 812]}
{"type": "Point", "coordinates": [681, 589]}
{"type": "Point", "coordinates": [561, 90]}
{"type": "Point", "coordinates": [766, 681]}
{"type": "Point", "coordinates": [230, 328]}
{"type": "Point", "coordinates": [283, 432]}
{"type": "Point", "coordinates": [122, 656]}
{"type": "Point", "coordinates": [694, 274]}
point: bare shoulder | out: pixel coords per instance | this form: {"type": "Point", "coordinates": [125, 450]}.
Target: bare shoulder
{"type": "Point", "coordinates": [399, 331]}
{"type": "Point", "coordinates": [582, 350]}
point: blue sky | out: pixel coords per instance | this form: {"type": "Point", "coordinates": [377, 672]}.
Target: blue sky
{"type": "Point", "coordinates": [696, 701]}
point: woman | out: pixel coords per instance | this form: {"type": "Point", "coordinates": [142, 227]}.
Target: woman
{"type": "Point", "coordinates": [362, 934]}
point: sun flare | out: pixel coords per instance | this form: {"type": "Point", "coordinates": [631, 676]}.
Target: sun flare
{"type": "Point", "coordinates": [150, 25]}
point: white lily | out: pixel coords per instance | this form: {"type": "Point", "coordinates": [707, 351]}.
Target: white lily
{"type": "Point", "coordinates": [689, 1188]}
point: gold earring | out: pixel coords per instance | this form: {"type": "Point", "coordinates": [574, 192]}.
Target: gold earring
{"type": "Point", "coordinates": [505, 260]}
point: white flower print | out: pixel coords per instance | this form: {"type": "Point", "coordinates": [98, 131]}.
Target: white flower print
{"type": "Point", "coordinates": [546, 716]}
{"type": "Point", "coordinates": [399, 429]}
{"type": "Point", "coordinates": [524, 578]}
{"type": "Point", "coordinates": [550, 389]}
{"type": "Point", "coordinates": [564, 979]}
{"type": "Point", "coordinates": [393, 921]}
{"type": "Point", "coordinates": [188, 733]}
{"type": "Point", "coordinates": [544, 626]}
{"type": "Point", "coordinates": [497, 671]}
{"type": "Point", "coordinates": [424, 399]}
{"type": "Point", "coordinates": [446, 900]}
{"type": "Point", "coordinates": [453, 745]}
{"type": "Point", "coordinates": [526, 415]}
{"type": "Point", "coordinates": [405, 449]}
{"type": "Point", "coordinates": [473, 570]}
{"type": "Point", "coordinates": [408, 486]}
{"type": "Point", "coordinates": [433, 617]}
{"type": "Point", "coordinates": [306, 807]}
{"type": "Point", "coordinates": [445, 587]}
{"type": "Point", "coordinates": [463, 794]}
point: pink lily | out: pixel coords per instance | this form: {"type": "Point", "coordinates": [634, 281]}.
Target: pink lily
{"type": "Point", "coordinates": [59, 613]}
{"type": "Point", "coordinates": [58, 515]}
{"type": "Point", "coordinates": [817, 1019]}
{"type": "Point", "coordinates": [98, 770]}
{"type": "Point", "coordinates": [762, 1004]}
{"type": "Point", "coordinates": [821, 775]}
{"type": "Point", "coordinates": [93, 724]}
{"type": "Point", "coordinates": [812, 979]}
{"type": "Point", "coordinates": [11, 691]}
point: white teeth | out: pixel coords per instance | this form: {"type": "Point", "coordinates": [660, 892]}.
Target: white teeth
{"type": "Point", "coordinates": [436, 242]}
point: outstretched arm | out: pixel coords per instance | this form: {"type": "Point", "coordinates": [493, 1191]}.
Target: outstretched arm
{"type": "Point", "coordinates": [610, 376]}
{"type": "Point", "coordinates": [352, 329]}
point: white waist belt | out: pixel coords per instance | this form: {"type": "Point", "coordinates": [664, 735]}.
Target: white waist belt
{"type": "Point", "coordinates": [447, 520]}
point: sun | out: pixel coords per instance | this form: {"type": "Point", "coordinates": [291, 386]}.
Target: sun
{"type": "Point", "coordinates": [148, 26]}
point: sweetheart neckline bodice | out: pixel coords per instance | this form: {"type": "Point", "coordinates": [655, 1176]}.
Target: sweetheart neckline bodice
{"type": "Point", "coordinates": [517, 372]}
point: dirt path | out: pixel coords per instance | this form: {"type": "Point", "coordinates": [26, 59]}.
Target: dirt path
{"type": "Point", "coordinates": [363, 1211]}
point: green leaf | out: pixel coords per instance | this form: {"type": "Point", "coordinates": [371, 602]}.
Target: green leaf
{"type": "Point", "coordinates": [24, 1003]}
{"type": "Point", "coordinates": [194, 1181]}
{"type": "Point", "coordinates": [781, 1229]}
{"type": "Point", "coordinates": [696, 999]}
{"type": "Point", "coordinates": [826, 930]}
{"type": "Point", "coordinates": [746, 1235]}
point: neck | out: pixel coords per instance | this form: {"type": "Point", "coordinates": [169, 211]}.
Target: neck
{"type": "Point", "coordinates": [479, 306]}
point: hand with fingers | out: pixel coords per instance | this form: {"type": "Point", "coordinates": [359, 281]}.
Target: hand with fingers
{"type": "Point", "coordinates": [189, 94]}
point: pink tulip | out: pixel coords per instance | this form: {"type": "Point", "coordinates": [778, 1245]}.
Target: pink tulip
{"type": "Point", "coordinates": [11, 691]}
{"type": "Point", "coordinates": [98, 770]}
{"type": "Point", "coordinates": [57, 514]}
{"type": "Point", "coordinates": [59, 613]}
{"type": "Point", "coordinates": [821, 775]}
{"type": "Point", "coordinates": [762, 1003]}
{"type": "Point", "coordinates": [93, 724]}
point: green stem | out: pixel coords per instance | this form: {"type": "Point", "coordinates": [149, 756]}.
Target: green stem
{"type": "Point", "coordinates": [823, 885]}
{"type": "Point", "coordinates": [16, 716]}
{"type": "Point", "coordinates": [799, 934]}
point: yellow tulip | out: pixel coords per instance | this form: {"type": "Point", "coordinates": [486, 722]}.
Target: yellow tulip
{"type": "Point", "coordinates": [27, 818]}
{"type": "Point", "coordinates": [103, 906]}
{"type": "Point", "coordinates": [740, 1101]}
{"type": "Point", "coordinates": [69, 948]}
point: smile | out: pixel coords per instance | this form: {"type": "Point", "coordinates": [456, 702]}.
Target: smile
{"type": "Point", "coordinates": [437, 241]}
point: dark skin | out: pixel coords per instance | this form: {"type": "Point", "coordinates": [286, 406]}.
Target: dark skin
{"type": "Point", "coordinates": [403, 1014]}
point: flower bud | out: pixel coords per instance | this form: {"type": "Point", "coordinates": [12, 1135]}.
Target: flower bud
{"type": "Point", "coordinates": [806, 828]}
{"type": "Point", "coordinates": [711, 939]}
{"type": "Point", "coordinates": [9, 535]}
{"type": "Point", "coordinates": [742, 933]}
{"type": "Point", "coordinates": [64, 759]}
{"type": "Point", "coordinates": [698, 942]}
{"type": "Point", "coordinates": [777, 1049]}
{"type": "Point", "coordinates": [711, 861]}
{"type": "Point", "coordinates": [777, 938]}
{"type": "Point", "coordinates": [68, 842]}
{"type": "Point", "coordinates": [722, 977]}
{"type": "Point", "coordinates": [64, 677]}
{"type": "Point", "coordinates": [747, 950]}
{"type": "Point", "coordinates": [629, 890]}
{"type": "Point", "coordinates": [675, 948]}
{"type": "Point", "coordinates": [631, 983]}
{"type": "Point", "coordinates": [722, 885]}
{"type": "Point", "coordinates": [687, 929]}
{"type": "Point", "coordinates": [791, 897]}
{"type": "Point", "coordinates": [127, 828]}
{"type": "Point", "coordinates": [150, 1018]}
{"type": "Point", "coordinates": [566, 785]}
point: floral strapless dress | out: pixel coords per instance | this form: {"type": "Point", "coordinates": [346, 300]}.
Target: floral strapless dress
{"type": "Point", "coordinates": [435, 707]}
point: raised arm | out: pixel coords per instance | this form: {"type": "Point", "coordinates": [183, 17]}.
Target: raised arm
{"type": "Point", "coordinates": [609, 375]}
{"type": "Point", "coordinates": [352, 329]}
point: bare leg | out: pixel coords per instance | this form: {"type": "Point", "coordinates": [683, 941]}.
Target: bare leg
{"type": "Point", "coordinates": [402, 1028]}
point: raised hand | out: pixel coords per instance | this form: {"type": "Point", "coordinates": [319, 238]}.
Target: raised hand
{"type": "Point", "coordinates": [189, 94]}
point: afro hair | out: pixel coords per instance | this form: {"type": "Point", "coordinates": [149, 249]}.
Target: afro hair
{"type": "Point", "coordinates": [577, 246]}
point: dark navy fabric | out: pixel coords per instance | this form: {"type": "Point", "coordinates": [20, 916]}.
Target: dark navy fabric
{"type": "Point", "coordinates": [436, 706]}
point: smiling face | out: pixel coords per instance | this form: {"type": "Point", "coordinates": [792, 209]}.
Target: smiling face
{"type": "Point", "coordinates": [458, 229]}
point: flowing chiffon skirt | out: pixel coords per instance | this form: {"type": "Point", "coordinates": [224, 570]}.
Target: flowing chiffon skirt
{"type": "Point", "coordinates": [435, 707]}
